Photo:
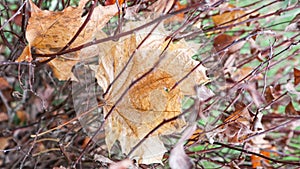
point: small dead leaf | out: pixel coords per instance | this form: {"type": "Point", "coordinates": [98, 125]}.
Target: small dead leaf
{"type": "Point", "coordinates": [48, 32]}
{"type": "Point", "coordinates": [60, 167]}
{"type": "Point", "coordinates": [228, 15]}
{"type": "Point", "coordinates": [223, 41]}
{"type": "Point", "coordinates": [85, 142]}
{"type": "Point", "coordinates": [257, 161]}
{"type": "Point", "coordinates": [4, 141]}
{"type": "Point", "coordinates": [296, 76]}
{"type": "Point", "coordinates": [251, 88]}
{"type": "Point", "coordinates": [179, 17]}
{"type": "Point", "coordinates": [161, 6]}
{"type": "Point", "coordinates": [102, 159]}
{"type": "Point", "coordinates": [237, 125]}
{"type": "Point", "coordinates": [124, 164]}
{"type": "Point", "coordinates": [18, 18]}
{"type": "Point", "coordinates": [204, 93]}
{"type": "Point", "coordinates": [3, 116]}
{"type": "Point", "coordinates": [269, 94]}
{"type": "Point", "coordinates": [290, 109]}
{"type": "Point", "coordinates": [111, 2]}
{"type": "Point", "coordinates": [291, 90]}
{"type": "Point", "coordinates": [22, 116]}
{"type": "Point", "coordinates": [241, 114]}
{"type": "Point", "coordinates": [273, 93]}
{"type": "Point", "coordinates": [4, 84]}
{"type": "Point", "coordinates": [178, 158]}
{"type": "Point", "coordinates": [196, 136]}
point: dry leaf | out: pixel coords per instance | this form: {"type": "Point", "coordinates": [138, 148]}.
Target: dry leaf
{"type": "Point", "coordinates": [257, 161]}
{"type": "Point", "coordinates": [290, 110]}
{"type": "Point", "coordinates": [22, 116]}
{"type": "Point", "coordinates": [4, 142]}
{"type": "Point", "coordinates": [111, 2]}
{"type": "Point", "coordinates": [3, 116]}
{"type": "Point", "coordinates": [124, 164]}
{"type": "Point", "coordinates": [179, 17]}
{"type": "Point", "coordinates": [178, 158]}
{"type": "Point", "coordinates": [150, 100]}
{"type": "Point", "coordinates": [85, 142]}
{"type": "Point", "coordinates": [4, 84]}
{"type": "Point", "coordinates": [60, 167]}
{"type": "Point", "coordinates": [296, 76]}
{"type": "Point", "coordinates": [48, 32]}
{"type": "Point", "coordinates": [291, 90]}
{"type": "Point", "coordinates": [161, 6]}
{"type": "Point", "coordinates": [104, 160]}
{"type": "Point", "coordinates": [223, 41]}
{"type": "Point", "coordinates": [273, 93]}
{"type": "Point", "coordinates": [237, 125]}
{"type": "Point", "coordinates": [228, 16]}
{"type": "Point", "coordinates": [241, 73]}
{"type": "Point", "coordinates": [269, 96]}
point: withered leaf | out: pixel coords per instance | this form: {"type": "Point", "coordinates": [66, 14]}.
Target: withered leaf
{"type": "Point", "coordinates": [226, 42]}
{"type": "Point", "coordinates": [111, 2]}
{"type": "Point", "coordinates": [290, 109]}
{"type": "Point", "coordinates": [237, 125]}
{"type": "Point", "coordinates": [296, 76]}
{"type": "Point", "coordinates": [269, 94]}
{"type": "Point", "coordinates": [161, 6]}
{"type": "Point", "coordinates": [49, 31]}
{"type": "Point", "coordinates": [228, 16]}
{"type": "Point", "coordinates": [178, 158]}
{"type": "Point", "coordinates": [4, 84]}
{"type": "Point", "coordinates": [149, 101]}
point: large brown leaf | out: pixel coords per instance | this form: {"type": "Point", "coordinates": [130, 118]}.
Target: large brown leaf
{"type": "Point", "coordinates": [49, 31]}
{"type": "Point", "coordinates": [150, 100]}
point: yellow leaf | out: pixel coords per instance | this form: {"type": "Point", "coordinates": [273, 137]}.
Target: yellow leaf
{"type": "Point", "coordinates": [149, 101]}
{"type": "Point", "coordinates": [49, 32]}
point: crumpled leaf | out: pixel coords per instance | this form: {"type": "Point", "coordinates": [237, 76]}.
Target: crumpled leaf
{"type": "Point", "coordinates": [224, 41]}
{"type": "Point", "coordinates": [111, 2]}
{"type": "Point", "coordinates": [237, 125]}
{"type": "Point", "coordinates": [291, 90]}
{"type": "Point", "coordinates": [49, 31]}
{"type": "Point", "coordinates": [178, 158]}
{"type": "Point", "coordinates": [161, 6]}
{"type": "Point", "coordinates": [296, 76]}
{"type": "Point", "coordinates": [4, 84]}
{"type": "Point", "coordinates": [122, 164]}
{"type": "Point", "coordinates": [290, 109]}
{"type": "Point", "coordinates": [229, 15]}
{"type": "Point", "coordinates": [259, 144]}
{"type": "Point", "coordinates": [150, 100]}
